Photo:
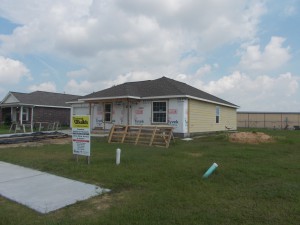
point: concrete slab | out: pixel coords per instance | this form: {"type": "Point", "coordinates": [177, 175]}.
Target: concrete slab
{"type": "Point", "coordinates": [42, 192]}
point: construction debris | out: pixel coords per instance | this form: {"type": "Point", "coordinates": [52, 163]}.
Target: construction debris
{"type": "Point", "coordinates": [32, 137]}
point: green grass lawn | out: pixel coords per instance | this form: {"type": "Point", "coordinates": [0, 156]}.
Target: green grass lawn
{"type": "Point", "coordinates": [254, 184]}
{"type": "Point", "coordinates": [4, 129]}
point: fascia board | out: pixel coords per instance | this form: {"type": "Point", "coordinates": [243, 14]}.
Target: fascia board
{"type": "Point", "coordinates": [106, 98]}
{"type": "Point", "coordinates": [218, 103]}
{"type": "Point", "coordinates": [160, 97]}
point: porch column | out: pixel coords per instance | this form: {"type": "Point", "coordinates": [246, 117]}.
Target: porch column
{"type": "Point", "coordinates": [21, 115]}
{"type": "Point", "coordinates": [31, 120]}
{"type": "Point", "coordinates": [71, 115]}
{"type": "Point", "coordinates": [11, 114]}
{"type": "Point", "coordinates": [128, 105]}
{"type": "Point", "coordinates": [90, 113]}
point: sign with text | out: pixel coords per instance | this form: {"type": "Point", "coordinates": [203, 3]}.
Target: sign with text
{"type": "Point", "coordinates": [81, 137]}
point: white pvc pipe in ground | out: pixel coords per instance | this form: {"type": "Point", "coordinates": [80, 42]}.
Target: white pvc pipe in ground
{"type": "Point", "coordinates": [118, 156]}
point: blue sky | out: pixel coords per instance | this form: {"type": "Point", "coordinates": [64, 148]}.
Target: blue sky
{"type": "Point", "coordinates": [246, 52]}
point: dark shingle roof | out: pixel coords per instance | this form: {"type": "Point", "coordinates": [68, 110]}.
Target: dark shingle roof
{"type": "Point", "coordinates": [44, 98]}
{"type": "Point", "coordinates": [155, 88]}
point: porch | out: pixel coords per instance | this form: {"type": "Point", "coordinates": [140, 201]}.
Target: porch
{"type": "Point", "coordinates": [31, 127]}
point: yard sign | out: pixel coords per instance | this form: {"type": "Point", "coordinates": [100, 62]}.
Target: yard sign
{"type": "Point", "coordinates": [81, 135]}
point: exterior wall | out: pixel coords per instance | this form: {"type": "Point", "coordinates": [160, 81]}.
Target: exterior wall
{"type": "Point", "coordinates": [97, 115]}
{"type": "Point", "coordinates": [117, 117]}
{"type": "Point", "coordinates": [202, 117]}
{"type": "Point", "coordinates": [80, 109]}
{"type": "Point", "coordinates": [268, 120]}
{"type": "Point", "coordinates": [138, 113]}
{"type": "Point", "coordinates": [40, 114]}
{"type": "Point", "coordinates": [185, 115]}
{"type": "Point", "coordinates": [176, 114]}
{"type": "Point", "coordinates": [141, 113]}
{"type": "Point", "coordinates": [45, 114]}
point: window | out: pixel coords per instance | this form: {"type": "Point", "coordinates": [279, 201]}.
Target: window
{"type": "Point", "coordinates": [25, 114]}
{"type": "Point", "coordinates": [159, 112]}
{"type": "Point", "coordinates": [217, 114]}
{"type": "Point", "coordinates": [107, 112]}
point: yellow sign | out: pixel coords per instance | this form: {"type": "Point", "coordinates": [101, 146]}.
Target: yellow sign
{"type": "Point", "coordinates": [81, 136]}
{"type": "Point", "coordinates": [80, 121]}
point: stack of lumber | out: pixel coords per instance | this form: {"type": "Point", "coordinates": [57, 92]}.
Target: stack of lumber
{"type": "Point", "coordinates": [144, 135]}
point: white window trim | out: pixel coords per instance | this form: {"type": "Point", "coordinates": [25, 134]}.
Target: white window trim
{"type": "Point", "coordinates": [219, 116]}
{"type": "Point", "coordinates": [25, 112]}
{"type": "Point", "coordinates": [165, 112]}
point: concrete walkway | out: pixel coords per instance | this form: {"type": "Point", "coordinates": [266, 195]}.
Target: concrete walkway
{"type": "Point", "coordinates": [41, 191]}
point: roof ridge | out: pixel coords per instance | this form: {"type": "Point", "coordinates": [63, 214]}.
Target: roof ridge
{"type": "Point", "coordinates": [17, 92]}
{"type": "Point", "coordinates": [50, 92]}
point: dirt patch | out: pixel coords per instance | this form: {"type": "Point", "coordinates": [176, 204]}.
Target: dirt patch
{"type": "Point", "coordinates": [100, 203]}
{"type": "Point", "coordinates": [250, 137]}
{"type": "Point", "coordinates": [58, 141]}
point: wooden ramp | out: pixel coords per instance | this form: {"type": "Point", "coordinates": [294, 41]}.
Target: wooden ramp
{"type": "Point", "coordinates": [143, 135]}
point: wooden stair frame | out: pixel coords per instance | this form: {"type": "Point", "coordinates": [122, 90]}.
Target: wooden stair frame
{"type": "Point", "coordinates": [151, 135]}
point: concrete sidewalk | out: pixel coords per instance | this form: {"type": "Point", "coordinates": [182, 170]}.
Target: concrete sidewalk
{"type": "Point", "coordinates": [41, 191]}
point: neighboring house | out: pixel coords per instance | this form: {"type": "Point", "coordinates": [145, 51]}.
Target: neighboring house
{"type": "Point", "coordinates": [163, 101]}
{"type": "Point", "coordinates": [38, 106]}
{"type": "Point", "coordinates": [274, 120]}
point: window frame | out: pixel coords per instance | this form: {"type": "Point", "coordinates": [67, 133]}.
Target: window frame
{"type": "Point", "coordinates": [25, 112]}
{"type": "Point", "coordinates": [218, 114]}
{"type": "Point", "coordinates": [107, 112]}
{"type": "Point", "coordinates": [165, 112]}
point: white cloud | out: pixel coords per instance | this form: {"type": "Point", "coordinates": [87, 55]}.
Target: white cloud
{"type": "Point", "coordinates": [290, 10]}
{"type": "Point", "coordinates": [264, 92]}
{"type": "Point", "coordinates": [81, 88]}
{"type": "Point", "coordinates": [203, 70]}
{"type": "Point", "coordinates": [116, 37]}
{"type": "Point", "coordinates": [86, 87]}
{"type": "Point", "coordinates": [12, 71]}
{"type": "Point", "coordinates": [78, 73]}
{"type": "Point", "coordinates": [46, 86]}
{"type": "Point", "coordinates": [135, 76]}
{"type": "Point", "coordinates": [280, 93]}
{"type": "Point", "coordinates": [273, 56]}
{"type": "Point", "coordinates": [117, 41]}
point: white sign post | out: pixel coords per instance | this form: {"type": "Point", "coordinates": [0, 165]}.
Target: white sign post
{"type": "Point", "coordinates": [81, 137]}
